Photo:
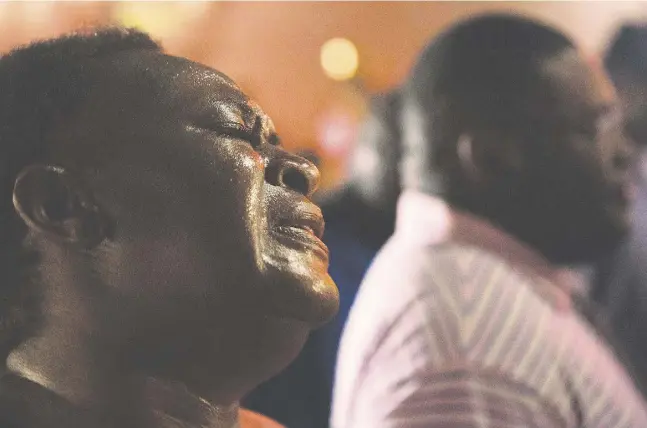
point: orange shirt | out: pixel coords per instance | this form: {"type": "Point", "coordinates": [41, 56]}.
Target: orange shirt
{"type": "Point", "coordinates": [249, 419]}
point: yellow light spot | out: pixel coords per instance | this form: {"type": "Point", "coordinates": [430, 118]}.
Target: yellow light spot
{"type": "Point", "coordinates": [161, 19]}
{"type": "Point", "coordinates": [339, 59]}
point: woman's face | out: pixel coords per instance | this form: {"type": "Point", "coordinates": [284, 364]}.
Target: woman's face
{"type": "Point", "coordinates": [214, 247]}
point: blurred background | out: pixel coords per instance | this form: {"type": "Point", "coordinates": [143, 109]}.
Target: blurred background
{"type": "Point", "coordinates": [311, 65]}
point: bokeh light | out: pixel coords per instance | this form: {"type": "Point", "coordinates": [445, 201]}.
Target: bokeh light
{"type": "Point", "coordinates": [339, 59]}
{"type": "Point", "coordinates": [161, 19]}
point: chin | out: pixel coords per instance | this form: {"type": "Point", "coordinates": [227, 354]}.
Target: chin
{"type": "Point", "coordinates": [312, 301]}
{"type": "Point", "coordinates": [299, 288]}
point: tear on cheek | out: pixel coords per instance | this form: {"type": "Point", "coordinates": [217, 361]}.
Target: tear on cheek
{"type": "Point", "coordinates": [253, 161]}
{"type": "Point", "coordinates": [254, 167]}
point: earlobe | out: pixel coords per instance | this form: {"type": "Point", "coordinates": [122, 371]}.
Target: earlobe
{"type": "Point", "coordinates": [485, 158]}
{"type": "Point", "coordinates": [465, 152]}
{"type": "Point", "coordinates": [51, 203]}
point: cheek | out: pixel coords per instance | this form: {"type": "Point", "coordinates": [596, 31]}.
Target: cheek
{"type": "Point", "coordinates": [581, 157]}
{"type": "Point", "coordinates": [562, 168]}
{"type": "Point", "coordinates": [236, 213]}
{"type": "Point", "coordinates": [190, 229]}
{"type": "Point", "coordinates": [226, 176]}
{"type": "Point", "coordinates": [172, 264]}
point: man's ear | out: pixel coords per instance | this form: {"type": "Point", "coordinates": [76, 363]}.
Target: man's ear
{"type": "Point", "coordinates": [50, 202]}
{"type": "Point", "coordinates": [487, 157]}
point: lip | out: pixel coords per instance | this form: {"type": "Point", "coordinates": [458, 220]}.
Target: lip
{"type": "Point", "coordinates": [305, 219]}
{"type": "Point", "coordinates": [303, 228]}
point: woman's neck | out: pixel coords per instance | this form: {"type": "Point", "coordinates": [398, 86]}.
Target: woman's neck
{"type": "Point", "coordinates": [105, 391]}
{"type": "Point", "coordinates": [173, 404]}
{"type": "Point", "coordinates": [67, 363]}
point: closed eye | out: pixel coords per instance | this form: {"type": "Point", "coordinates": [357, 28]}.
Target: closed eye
{"type": "Point", "coordinates": [231, 130]}
{"type": "Point", "coordinates": [235, 130]}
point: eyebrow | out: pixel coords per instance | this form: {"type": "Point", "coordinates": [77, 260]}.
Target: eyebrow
{"type": "Point", "coordinates": [608, 109]}
{"type": "Point", "coordinates": [596, 111]}
{"type": "Point", "coordinates": [611, 110]}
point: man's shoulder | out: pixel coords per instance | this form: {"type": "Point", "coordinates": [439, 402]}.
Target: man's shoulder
{"type": "Point", "coordinates": [438, 279]}
{"type": "Point", "coordinates": [444, 286]}
{"type": "Point", "coordinates": [426, 269]}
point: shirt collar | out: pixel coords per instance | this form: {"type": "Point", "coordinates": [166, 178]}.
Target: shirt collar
{"type": "Point", "coordinates": [427, 220]}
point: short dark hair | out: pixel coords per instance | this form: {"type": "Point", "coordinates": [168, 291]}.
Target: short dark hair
{"type": "Point", "coordinates": [484, 67]}
{"type": "Point", "coordinates": [41, 84]}
{"type": "Point", "coordinates": [479, 74]}
{"type": "Point", "coordinates": [627, 52]}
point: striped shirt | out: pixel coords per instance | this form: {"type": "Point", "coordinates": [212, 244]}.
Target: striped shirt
{"type": "Point", "coordinates": [457, 324]}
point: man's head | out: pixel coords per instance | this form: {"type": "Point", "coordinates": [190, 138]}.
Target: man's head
{"type": "Point", "coordinates": [504, 118]}
{"type": "Point", "coordinates": [626, 61]}
{"type": "Point", "coordinates": [374, 173]}
{"type": "Point", "coordinates": [153, 188]}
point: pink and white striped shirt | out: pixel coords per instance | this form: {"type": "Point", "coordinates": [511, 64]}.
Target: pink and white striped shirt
{"type": "Point", "coordinates": [458, 324]}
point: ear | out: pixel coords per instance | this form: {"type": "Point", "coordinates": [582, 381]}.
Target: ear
{"type": "Point", "coordinates": [50, 202]}
{"type": "Point", "coordinates": [487, 157]}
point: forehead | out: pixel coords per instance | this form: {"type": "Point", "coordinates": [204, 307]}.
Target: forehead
{"type": "Point", "coordinates": [150, 83]}
{"type": "Point", "coordinates": [578, 84]}
{"type": "Point", "coordinates": [143, 104]}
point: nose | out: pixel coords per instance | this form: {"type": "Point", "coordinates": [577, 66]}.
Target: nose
{"type": "Point", "coordinates": [292, 172]}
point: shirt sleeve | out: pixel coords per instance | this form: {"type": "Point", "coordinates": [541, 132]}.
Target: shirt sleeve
{"type": "Point", "coordinates": [461, 398]}
{"type": "Point", "coordinates": [409, 382]}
